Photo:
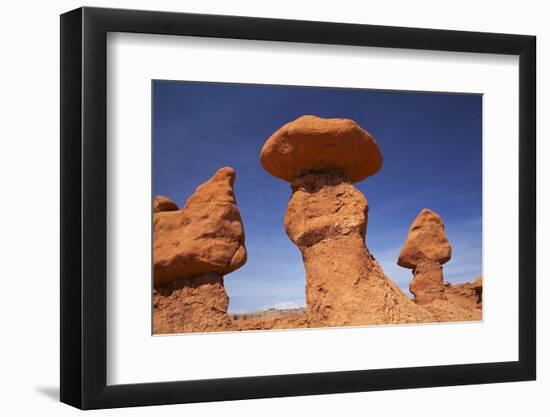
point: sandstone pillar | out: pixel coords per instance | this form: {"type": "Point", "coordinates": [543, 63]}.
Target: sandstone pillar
{"type": "Point", "coordinates": [425, 251]}
{"type": "Point", "coordinates": [196, 304]}
{"type": "Point", "coordinates": [327, 219]}
{"type": "Point", "coordinates": [194, 247]}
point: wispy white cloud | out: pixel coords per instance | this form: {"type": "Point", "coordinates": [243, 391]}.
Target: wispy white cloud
{"type": "Point", "coordinates": [285, 305]}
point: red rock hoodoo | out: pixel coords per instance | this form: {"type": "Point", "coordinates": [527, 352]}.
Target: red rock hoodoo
{"type": "Point", "coordinates": [193, 248]}
{"type": "Point", "coordinates": [425, 251]}
{"type": "Point", "coordinates": [327, 219]}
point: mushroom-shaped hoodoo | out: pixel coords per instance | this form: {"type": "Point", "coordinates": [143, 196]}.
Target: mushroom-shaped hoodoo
{"type": "Point", "coordinates": [205, 236]}
{"type": "Point", "coordinates": [326, 218]}
{"type": "Point", "coordinates": [425, 251]}
{"type": "Point", "coordinates": [192, 249]}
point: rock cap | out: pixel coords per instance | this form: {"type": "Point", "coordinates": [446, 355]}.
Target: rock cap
{"type": "Point", "coordinates": [426, 241]}
{"type": "Point", "coordinates": [162, 203]}
{"type": "Point", "coordinates": [478, 283]}
{"type": "Point", "coordinates": [205, 236]}
{"type": "Point", "coordinates": [311, 143]}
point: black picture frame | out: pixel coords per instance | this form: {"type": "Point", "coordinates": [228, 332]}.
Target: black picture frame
{"type": "Point", "coordinates": [84, 207]}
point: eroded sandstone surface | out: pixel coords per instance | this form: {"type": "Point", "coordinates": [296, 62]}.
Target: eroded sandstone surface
{"type": "Point", "coordinates": [327, 219]}
{"type": "Point", "coordinates": [191, 305]}
{"type": "Point", "coordinates": [194, 247]}
{"type": "Point", "coordinates": [311, 143]}
{"type": "Point", "coordinates": [205, 236]}
{"type": "Point", "coordinates": [425, 251]}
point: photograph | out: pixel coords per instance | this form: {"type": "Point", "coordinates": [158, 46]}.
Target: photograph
{"type": "Point", "coordinates": [279, 207]}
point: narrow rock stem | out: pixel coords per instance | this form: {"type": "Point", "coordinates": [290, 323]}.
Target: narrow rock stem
{"type": "Point", "coordinates": [427, 284]}
{"type": "Point", "coordinates": [336, 269]}
{"type": "Point", "coordinates": [327, 219]}
{"type": "Point", "coordinates": [191, 305]}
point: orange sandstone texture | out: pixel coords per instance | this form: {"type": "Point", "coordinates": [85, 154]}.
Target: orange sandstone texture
{"type": "Point", "coordinates": [191, 305]}
{"type": "Point", "coordinates": [327, 219]}
{"type": "Point", "coordinates": [468, 295]}
{"type": "Point", "coordinates": [193, 248]}
{"type": "Point", "coordinates": [162, 203]}
{"type": "Point", "coordinates": [425, 251]}
{"type": "Point", "coordinates": [311, 143]}
{"type": "Point", "coordinates": [463, 303]}
{"type": "Point", "coordinates": [205, 236]}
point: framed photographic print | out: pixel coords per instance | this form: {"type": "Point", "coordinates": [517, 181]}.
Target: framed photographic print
{"type": "Point", "coordinates": [257, 208]}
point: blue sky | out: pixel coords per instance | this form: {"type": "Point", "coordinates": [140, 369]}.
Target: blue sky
{"type": "Point", "coordinates": [432, 148]}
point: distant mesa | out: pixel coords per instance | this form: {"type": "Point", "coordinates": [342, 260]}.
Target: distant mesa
{"type": "Point", "coordinates": [314, 144]}
{"type": "Point", "coordinates": [193, 248]}
{"type": "Point", "coordinates": [270, 319]}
